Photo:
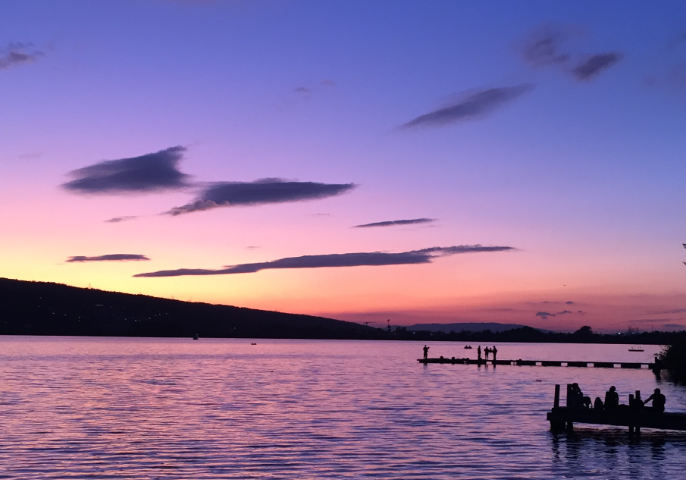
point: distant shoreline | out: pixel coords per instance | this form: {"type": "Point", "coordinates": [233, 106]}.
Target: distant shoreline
{"type": "Point", "coordinates": [51, 309]}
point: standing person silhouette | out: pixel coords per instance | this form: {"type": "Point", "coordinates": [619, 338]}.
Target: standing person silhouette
{"type": "Point", "coordinates": [478, 352]}
{"type": "Point", "coordinates": [426, 352]}
{"type": "Point", "coordinates": [495, 352]}
{"type": "Point", "coordinates": [486, 352]}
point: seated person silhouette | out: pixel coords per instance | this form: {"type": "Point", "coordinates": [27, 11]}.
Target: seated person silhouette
{"type": "Point", "coordinates": [577, 398]}
{"type": "Point", "coordinates": [598, 404]}
{"type": "Point", "coordinates": [658, 400]}
{"type": "Point", "coordinates": [611, 399]}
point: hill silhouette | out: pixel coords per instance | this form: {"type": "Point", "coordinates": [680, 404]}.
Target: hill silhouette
{"type": "Point", "coordinates": [40, 308]}
{"type": "Point", "coordinates": [463, 327]}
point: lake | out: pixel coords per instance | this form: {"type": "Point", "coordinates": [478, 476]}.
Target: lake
{"type": "Point", "coordinates": [141, 408]}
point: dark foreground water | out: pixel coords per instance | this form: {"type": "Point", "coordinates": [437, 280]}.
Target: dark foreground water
{"type": "Point", "coordinates": [181, 409]}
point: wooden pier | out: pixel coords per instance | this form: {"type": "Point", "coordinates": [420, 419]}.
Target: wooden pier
{"type": "Point", "coordinates": [632, 416]}
{"type": "Point", "coordinates": [541, 363]}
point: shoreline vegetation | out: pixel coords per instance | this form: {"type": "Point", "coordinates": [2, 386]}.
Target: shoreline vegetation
{"type": "Point", "coordinates": [41, 308]}
{"type": "Point", "coordinates": [674, 360]}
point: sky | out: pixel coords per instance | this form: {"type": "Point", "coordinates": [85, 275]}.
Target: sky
{"type": "Point", "coordinates": [423, 162]}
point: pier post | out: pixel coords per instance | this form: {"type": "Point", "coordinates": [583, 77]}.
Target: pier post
{"type": "Point", "coordinates": [557, 397]}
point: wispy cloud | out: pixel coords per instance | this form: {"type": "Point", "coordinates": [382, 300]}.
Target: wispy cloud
{"type": "Point", "coordinates": [147, 173]}
{"type": "Point", "coordinates": [542, 47]}
{"type": "Point", "coordinates": [469, 107]}
{"type": "Point", "coordinates": [564, 312]}
{"type": "Point", "coordinates": [569, 302]}
{"type": "Point", "coordinates": [115, 257]}
{"type": "Point", "coordinates": [544, 315]}
{"type": "Point", "coordinates": [335, 260]}
{"type": "Point", "coordinates": [393, 223]}
{"type": "Point", "coordinates": [595, 64]}
{"type": "Point", "coordinates": [120, 219]}
{"type": "Point", "coordinates": [546, 47]}
{"type": "Point", "coordinates": [676, 310]}
{"type": "Point", "coordinates": [260, 192]}
{"type": "Point", "coordinates": [16, 54]}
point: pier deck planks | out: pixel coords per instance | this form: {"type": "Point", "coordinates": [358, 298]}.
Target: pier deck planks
{"type": "Point", "coordinates": [539, 363]}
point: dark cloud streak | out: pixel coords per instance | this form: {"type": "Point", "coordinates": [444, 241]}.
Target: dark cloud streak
{"type": "Point", "coordinates": [595, 64]}
{"type": "Point", "coordinates": [115, 257]}
{"type": "Point", "coordinates": [393, 223]}
{"type": "Point", "coordinates": [16, 54]}
{"type": "Point", "coordinates": [120, 219]}
{"type": "Point", "coordinates": [260, 192]}
{"type": "Point", "coordinates": [147, 173]}
{"type": "Point", "coordinates": [335, 260]}
{"type": "Point", "coordinates": [472, 106]}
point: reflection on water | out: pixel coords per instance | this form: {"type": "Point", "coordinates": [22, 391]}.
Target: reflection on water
{"type": "Point", "coordinates": [181, 409]}
{"type": "Point", "coordinates": [610, 453]}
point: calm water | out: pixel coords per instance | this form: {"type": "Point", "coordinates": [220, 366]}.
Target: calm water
{"type": "Point", "coordinates": [183, 409]}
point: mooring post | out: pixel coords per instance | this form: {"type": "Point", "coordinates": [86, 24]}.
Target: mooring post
{"type": "Point", "coordinates": [557, 397]}
{"type": "Point", "coordinates": [569, 397]}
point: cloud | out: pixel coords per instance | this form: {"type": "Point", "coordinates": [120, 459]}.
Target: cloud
{"type": "Point", "coordinates": [16, 54]}
{"type": "Point", "coordinates": [115, 257]}
{"type": "Point", "coordinates": [542, 48]}
{"type": "Point", "coordinates": [147, 173]}
{"type": "Point", "coordinates": [569, 302]}
{"type": "Point", "coordinates": [374, 259]}
{"type": "Point", "coordinates": [393, 223]}
{"type": "Point", "coordinates": [120, 219]}
{"type": "Point", "coordinates": [472, 106]}
{"type": "Point", "coordinates": [595, 64]}
{"type": "Point", "coordinates": [260, 192]}
{"type": "Point", "coordinates": [677, 310]}
{"type": "Point", "coordinates": [564, 312]}
{"type": "Point", "coordinates": [544, 315]}
{"type": "Point", "coordinates": [28, 156]}
{"type": "Point", "coordinates": [327, 83]}
{"type": "Point", "coordinates": [674, 325]}
{"type": "Point", "coordinates": [545, 47]}
{"type": "Point", "coordinates": [303, 91]}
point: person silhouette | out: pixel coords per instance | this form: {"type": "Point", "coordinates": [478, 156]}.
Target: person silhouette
{"type": "Point", "coordinates": [486, 352]}
{"type": "Point", "coordinates": [495, 352]}
{"type": "Point", "coordinates": [611, 399]}
{"type": "Point", "coordinates": [478, 352]}
{"type": "Point", "coordinates": [658, 400]}
{"type": "Point", "coordinates": [426, 352]}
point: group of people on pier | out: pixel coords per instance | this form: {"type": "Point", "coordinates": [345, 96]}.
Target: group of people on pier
{"type": "Point", "coordinates": [576, 398]}
{"type": "Point", "coordinates": [487, 351]}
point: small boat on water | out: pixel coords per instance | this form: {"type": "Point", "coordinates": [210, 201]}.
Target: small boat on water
{"type": "Point", "coordinates": [467, 347]}
{"type": "Point", "coordinates": [636, 349]}
{"type": "Point", "coordinates": [253, 343]}
{"type": "Point", "coordinates": [196, 336]}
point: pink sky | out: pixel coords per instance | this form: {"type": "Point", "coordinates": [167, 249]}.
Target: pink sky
{"type": "Point", "coordinates": [444, 112]}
